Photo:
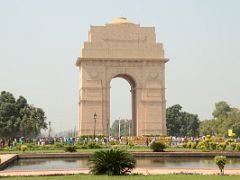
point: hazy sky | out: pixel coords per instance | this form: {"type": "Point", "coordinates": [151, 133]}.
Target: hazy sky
{"type": "Point", "coordinates": [41, 40]}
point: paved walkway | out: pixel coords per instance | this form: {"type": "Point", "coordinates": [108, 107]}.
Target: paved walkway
{"type": "Point", "coordinates": [6, 157]}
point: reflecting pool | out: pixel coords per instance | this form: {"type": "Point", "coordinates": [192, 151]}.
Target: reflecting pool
{"type": "Point", "coordinates": [148, 162]}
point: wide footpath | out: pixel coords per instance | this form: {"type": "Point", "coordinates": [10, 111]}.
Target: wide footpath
{"type": "Point", "coordinates": [9, 158]}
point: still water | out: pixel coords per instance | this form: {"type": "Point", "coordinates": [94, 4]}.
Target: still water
{"type": "Point", "coordinates": [156, 162]}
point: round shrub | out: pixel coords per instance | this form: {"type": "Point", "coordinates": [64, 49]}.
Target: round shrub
{"type": "Point", "coordinates": [112, 162]}
{"type": "Point", "coordinates": [23, 148]}
{"type": "Point", "coordinates": [70, 148]}
{"type": "Point", "coordinates": [220, 162]}
{"type": "Point", "coordinates": [158, 147]}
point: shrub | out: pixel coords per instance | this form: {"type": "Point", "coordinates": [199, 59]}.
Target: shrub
{"type": "Point", "coordinates": [202, 146]}
{"type": "Point", "coordinates": [158, 147]}
{"type": "Point", "coordinates": [220, 162]}
{"type": "Point", "coordinates": [113, 143]}
{"type": "Point", "coordinates": [112, 162]}
{"type": "Point", "coordinates": [233, 146]}
{"type": "Point", "coordinates": [213, 145]}
{"type": "Point", "coordinates": [189, 144]}
{"type": "Point", "coordinates": [221, 146]}
{"type": "Point", "coordinates": [193, 145]}
{"type": "Point", "coordinates": [238, 146]}
{"type": "Point", "coordinates": [184, 145]}
{"type": "Point", "coordinates": [93, 145]}
{"type": "Point", "coordinates": [23, 148]}
{"type": "Point", "coordinates": [70, 148]}
{"type": "Point", "coordinates": [58, 145]}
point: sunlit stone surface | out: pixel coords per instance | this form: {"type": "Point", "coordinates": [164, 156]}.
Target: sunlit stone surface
{"type": "Point", "coordinates": [122, 49]}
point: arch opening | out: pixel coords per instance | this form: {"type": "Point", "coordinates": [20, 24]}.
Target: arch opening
{"type": "Point", "coordinates": [122, 105]}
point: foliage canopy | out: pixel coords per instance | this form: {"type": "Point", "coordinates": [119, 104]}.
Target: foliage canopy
{"type": "Point", "coordinates": [224, 118]}
{"type": "Point", "coordinates": [181, 123]}
{"type": "Point", "coordinates": [18, 118]}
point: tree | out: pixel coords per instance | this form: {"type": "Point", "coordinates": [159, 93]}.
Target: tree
{"type": "Point", "coordinates": [222, 109]}
{"type": "Point", "coordinates": [18, 118]}
{"type": "Point", "coordinates": [224, 118]}
{"type": "Point", "coordinates": [124, 123]}
{"type": "Point", "coordinates": [181, 123]}
{"type": "Point", "coordinates": [220, 162]}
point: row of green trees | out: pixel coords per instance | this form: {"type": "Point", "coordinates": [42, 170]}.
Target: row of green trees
{"type": "Point", "coordinates": [18, 118]}
{"type": "Point", "coordinates": [224, 117]}
{"type": "Point", "coordinates": [181, 123]}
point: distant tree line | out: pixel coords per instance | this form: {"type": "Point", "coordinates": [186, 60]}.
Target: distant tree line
{"type": "Point", "coordinates": [224, 117]}
{"type": "Point", "coordinates": [181, 123]}
{"type": "Point", "coordinates": [18, 118]}
{"type": "Point", "coordinates": [125, 128]}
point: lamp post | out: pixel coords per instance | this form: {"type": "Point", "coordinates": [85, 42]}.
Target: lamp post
{"type": "Point", "coordinates": [129, 128]}
{"type": "Point", "coordinates": [94, 130]}
{"type": "Point", "coordinates": [49, 129]}
{"type": "Point", "coordinates": [119, 129]}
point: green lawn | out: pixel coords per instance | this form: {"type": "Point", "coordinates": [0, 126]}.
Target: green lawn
{"type": "Point", "coordinates": [133, 177]}
{"type": "Point", "coordinates": [133, 149]}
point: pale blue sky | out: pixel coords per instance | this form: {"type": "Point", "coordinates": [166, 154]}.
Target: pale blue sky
{"type": "Point", "coordinates": [40, 41]}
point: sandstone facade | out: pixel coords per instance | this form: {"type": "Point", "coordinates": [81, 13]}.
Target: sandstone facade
{"type": "Point", "coordinates": [122, 49]}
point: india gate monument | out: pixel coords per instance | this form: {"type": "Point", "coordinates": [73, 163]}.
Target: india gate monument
{"type": "Point", "coordinates": [123, 49]}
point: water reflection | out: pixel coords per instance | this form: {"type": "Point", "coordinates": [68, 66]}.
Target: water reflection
{"type": "Point", "coordinates": [150, 162]}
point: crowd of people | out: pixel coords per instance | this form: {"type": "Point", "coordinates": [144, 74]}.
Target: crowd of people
{"type": "Point", "coordinates": [10, 142]}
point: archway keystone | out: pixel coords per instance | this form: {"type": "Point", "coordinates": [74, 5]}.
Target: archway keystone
{"type": "Point", "coordinates": [122, 49]}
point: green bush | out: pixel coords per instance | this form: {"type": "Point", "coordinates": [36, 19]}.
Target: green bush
{"type": "Point", "coordinates": [238, 146]}
{"type": "Point", "coordinates": [70, 148]}
{"type": "Point", "coordinates": [220, 162]}
{"type": "Point", "coordinates": [189, 144]}
{"type": "Point", "coordinates": [112, 162]}
{"type": "Point", "coordinates": [58, 145]}
{"type": "Point", "coordinates": [113, 143]}
{"type": "Point", "coordinates": [221, 146]}
{"type": "Point", "coordinates": [233, 146]}
{"type": "Point", "coordinates": [193, 145]}
{"type": "Point", "coordinates": [213, 145]}
{"type": "Point", "coordinates": [201, 145]}
{"type": "Point", "coordinates": [23, 148]}
{"type": "Point", "coordinates": [158, 147]}
{"type": "Point", "coordinates": [94, 145]}
{"type": "Point", "coordinates": [184, 145]}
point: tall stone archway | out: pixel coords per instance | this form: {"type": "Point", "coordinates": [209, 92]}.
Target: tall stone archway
{"type": "Point", "coordinates": [122, 49]}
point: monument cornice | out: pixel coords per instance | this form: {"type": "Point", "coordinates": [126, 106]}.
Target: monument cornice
{"type": "Point", "coordinates": [129, 60]}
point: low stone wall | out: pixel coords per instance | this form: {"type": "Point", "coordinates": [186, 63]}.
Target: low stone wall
{"type": "Point", "coordinates": [7, 159]}
{"type": "Point", "coordinates": [185, 154]}
{"type": "Point", "coordinates": [54, 155]}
